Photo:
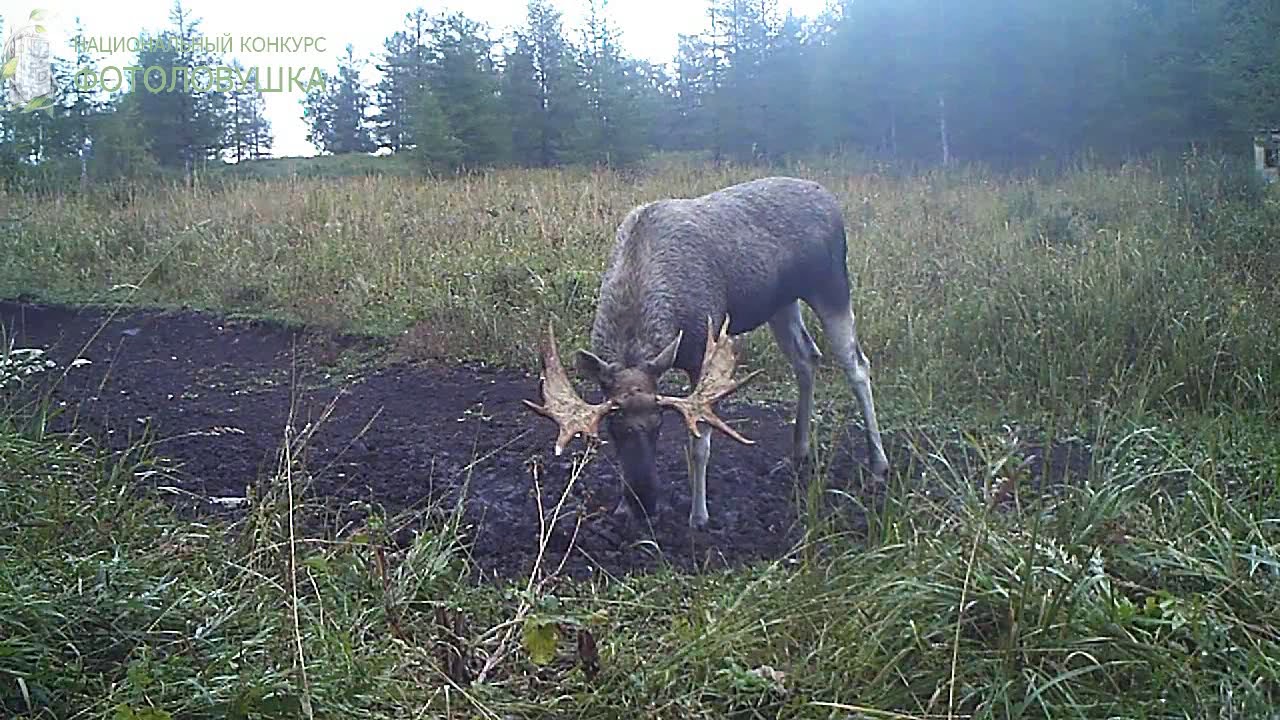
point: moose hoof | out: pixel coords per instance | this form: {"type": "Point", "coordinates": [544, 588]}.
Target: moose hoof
{"type": "Point", "coordinates": [878, 477]}
{"type": "Point", "coordinates": [624, 514]}
{"type": "Point", "coordinates": [630, 514]}
{"type": "Point", "coordinates": [880, 470]}
{"type": "Point", "coordinates": [698, 521]}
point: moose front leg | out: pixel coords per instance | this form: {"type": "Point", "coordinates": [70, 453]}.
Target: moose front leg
{"type": "Point", "coordinates": [697, 453]}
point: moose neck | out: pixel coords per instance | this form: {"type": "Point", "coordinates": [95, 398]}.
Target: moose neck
{"type": "Point", "coordinates": [636, 332]}
{"type": "Point", "coordinates": [660, 282]}
{"type": "Point", "coordinates": [638, 316]}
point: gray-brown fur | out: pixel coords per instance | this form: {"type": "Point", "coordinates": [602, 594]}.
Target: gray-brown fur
{"type": "Point", "coordinates": [745, 250]}
{"type": "Point", "coordinates": [752, 251]}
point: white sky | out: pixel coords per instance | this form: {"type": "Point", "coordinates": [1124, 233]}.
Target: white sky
{"type": "Point", "coordinates": [649, 30]}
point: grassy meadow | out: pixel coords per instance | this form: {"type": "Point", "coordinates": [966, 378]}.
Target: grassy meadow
{"type": "Point", "coordinates": [1133, 306]}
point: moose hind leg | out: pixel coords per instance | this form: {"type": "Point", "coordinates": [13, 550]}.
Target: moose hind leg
{"type": "Point", "coordinates": [698, 453]}
{"type": "Point", "coordinates": [839, 324]}
{"type": "Point", "coordinates": [798, 346]}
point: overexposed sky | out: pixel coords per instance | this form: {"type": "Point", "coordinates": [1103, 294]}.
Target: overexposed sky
{"type": "Point", "coordinates": [649, 30]}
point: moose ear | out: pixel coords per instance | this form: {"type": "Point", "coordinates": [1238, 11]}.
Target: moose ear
{"type": "Point", "coordinates": [662, 362]}
{"type": "Point", "coordinates": [590, 365]}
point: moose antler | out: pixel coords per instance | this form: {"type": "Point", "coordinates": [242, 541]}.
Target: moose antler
{"type": "Point", "coordinates": [715, 383]}
{"type": "Point", "coordinates": [562, 403]}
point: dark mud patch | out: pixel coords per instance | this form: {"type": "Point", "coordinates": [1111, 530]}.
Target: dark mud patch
{"type": "Point", "coordinates": [215, 397]}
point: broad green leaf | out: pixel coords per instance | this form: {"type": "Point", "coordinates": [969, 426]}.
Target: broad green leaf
{"type": "Point", "coordinates": [10, 68]}
{"type": "Point", "coordinates": [539, 638]}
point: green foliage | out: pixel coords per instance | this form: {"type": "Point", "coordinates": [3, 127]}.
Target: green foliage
{"type": "Point", "coordinates": [620, 101]}
{"type": "Point", "coordinates": [321, 166]}
{"type": "Point", "coordinates": [439, 95]}
{"type": "Point", "coordinates": [540, 639]}
{"type": "Point", "coordinates": [1003, 82]}
{"type": "Point", "coordinates": [435, 147]}
{"type": "Point", "coordinates": [135, 134]}
{"type": "Point", "coordinates": [465, 80]}
{"type": "Point", "coordinates": [1149, 584]}
{"type": "Point", "coordinates": [250, 132]}
{"type": "Point", "coordinates": [122, 150]}
{"type": "Point", "coordinates": [976, 293]}
{"type": "Point", "coordinates": [337, 114]}
{"type": "Point", "coordinates": [183, 126]}
{"type": "Point", "coordinates": [542, 89]}
{"type": "Point", "coordinates": [404, 77]}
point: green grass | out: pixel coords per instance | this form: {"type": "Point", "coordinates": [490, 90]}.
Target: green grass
{"type": "Point", "coordinates": [1135, 306]}
{"type": "Point", "coordinates": [976, 294]}
{"type": "Point", "coordinates": [1149, 591]}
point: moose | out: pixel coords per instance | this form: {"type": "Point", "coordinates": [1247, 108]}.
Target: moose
{"type": "Point", "coordinates": [735, 258]}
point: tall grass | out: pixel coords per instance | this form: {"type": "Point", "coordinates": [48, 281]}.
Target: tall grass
{"type": "Point", "coordinates": [1148, 591]}
{"type": "Point", "coordinates": [1144, 286]}
{"type": "Point", "coordinates": [1147, 588]}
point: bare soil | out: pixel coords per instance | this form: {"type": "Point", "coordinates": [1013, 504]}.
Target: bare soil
{"type": "Point", "coordinates": [215, 396]}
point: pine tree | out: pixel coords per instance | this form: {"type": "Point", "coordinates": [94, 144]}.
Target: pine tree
{"type": "Point", "coordinates": [541, 88]}
{"type": "Point", "coordinates": [744, 38]}
{"type": "Point", "coordinates": [187, 125]}
{"type": "Point", "coordinates": [436, 148]}
{"type": "Point", "coordinates": [690, 125]}
{"type": "Point", "coordinates": [786, 102]}
{"type": "Point", "coordinates": [250, 131]}
{"type": "Point", "coordinates": [351, 131]}
{"type": "Point", "coordinates": [464, 80]}
{"type": "Point", "coordinates": [82, 104]}
{"type": "Point", "coordinates": [317, 112]}
{"type": "Point", "coordinates": [1248, 66]}
{"type": "Point", "coordinates": [336, 114]}
{"type": "Point", "coordinates": [612, 129]}
{"type": "Point", "coordinates": [404, 67]}
{"type": "Point", "coordinates": [522, 102]}
{"type": "Point", "coordinates": [391, 125]}
{"type": "Point", "coordinates": [55, 135]}
{"type": "Point", "coordinates": [121, 149]}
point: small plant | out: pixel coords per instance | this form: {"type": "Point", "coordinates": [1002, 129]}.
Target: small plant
{"type": "Point", "coordinates": [17, 364]}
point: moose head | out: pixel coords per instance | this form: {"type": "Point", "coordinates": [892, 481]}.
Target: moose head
{"type": "Point", "coordinates": [633, 408]}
